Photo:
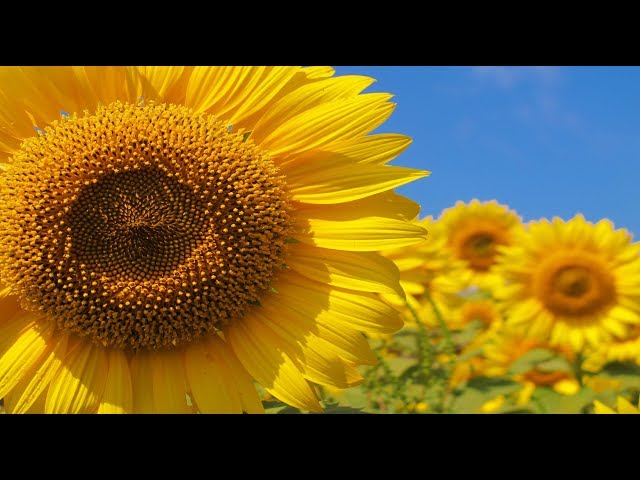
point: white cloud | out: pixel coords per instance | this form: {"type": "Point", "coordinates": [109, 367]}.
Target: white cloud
{"type": "Point", "coordinates": [507, 77]}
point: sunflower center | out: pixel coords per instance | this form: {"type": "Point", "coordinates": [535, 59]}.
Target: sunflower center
{"type": "Point", "coordinates": [478, 310]}
{"type": "Point", "coordinates": [574, 284]}
{"type": "Point", "coordinates": [142, 222]}
{"type": "Point", "coordinates": [479, 250]}
{"type": "Point", "coordinates": [141, 226]}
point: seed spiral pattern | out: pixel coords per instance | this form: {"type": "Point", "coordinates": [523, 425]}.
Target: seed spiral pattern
{"type": "Point", "coordinates": [141, 226]}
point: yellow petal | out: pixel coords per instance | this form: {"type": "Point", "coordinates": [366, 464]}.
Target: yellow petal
{"type": "Point", "coordinates": [166, 84]}
{"type": "Point", "coordinates": [208, 375]}
{"type": "Point", "coordinates": [337, 179]}
{"type": "Point", "coordinates": [118, 391]}
{"type": "Point", "coordinates": [142, 382]}
{"type": "Point", "coordinates": [169, 382]}
{"type": "Point", "coordinates": [599, 407]}
{"type": "Point", "coordinates": [376, 149]}
{"type": "Point", "coordinates": [492, 405]}
{"type": "Point", "coordinates": [80, 381]}
{"type": "Point", "coordinates": [318, 72]}
{"type": "Point", "coordinates": [233, 93]}
{"type": "Point", "coordinates": [313, 357]}
{"type": "Point", "coordinates": [272, 368]}
{"type": "Point", "coordinates": [359, 234]}
{"type": "Point", "coordinates": [11, 326]}
{"type": "Point", "coordinates": [210, 86]}
{"type": "Point", "coordinates": [387, 204]}
{"type": "Point", "coordinates": [306, 97]}
{"type": "Point", "coordinates": [624, 406]}
{"type": "Point", "coordinates": [341, 339]}
{"type": "Point", "coordinates": [524, 395]}
{"type": "Point", "coordinates": [243, 382]}
{"type": "Point", "coordinates": [330, 122]}
{"type": "Point", "coordinates": [363, 271]}
{"type": "Point", "coordinates": [218, 382]}
{"type": "Point", "coordinates": [359, 310]}
{"type": "Point", "coordinates": [266, 88]}
{"type": "Point", "coordinates": [23, 354]}
{"type": "Point", "coordinates": [36, 382]}
{"type": "Point", "coordinates": [567, 386]}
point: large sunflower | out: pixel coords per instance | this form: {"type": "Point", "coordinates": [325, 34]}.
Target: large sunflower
{"type": "Point", "coordinates": [170, 234]}
{"type": "Point", "coordinates": [427, 268]}
{"type": "Point", "coordinates": [474, 231]}
{"type": "Point", "coordinates": [572, 282]}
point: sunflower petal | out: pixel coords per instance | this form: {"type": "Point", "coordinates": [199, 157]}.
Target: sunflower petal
{"type": "Point", "coordinates": [233, 93]}
{"type": "Point", "coordinates": [360, 310]}
{"type": "Point", "coordinates": [142, 382]}
{"type": "Point", "coordinates": [23, 354]}
{"type": "Point", "coordinates": [624, 406]}
{"type": "Point", "coordinates": [271, 367]}
{"type": "Point", "coordinates": [330, 122]}
{"type": "Point", "coordinates": [361, 234]}
{"type": "Point", "coordinates": [167, 84]}
{"type": "Point", "coordinates": [318, 72]}
{"type": "Point", "coordinates": [243, 382]}
{"type": "Point", "coordinates": [306, 97]}
{"type": "Point", "coordinates": [387, 204]}
{"type": "Point", "coordinates": [169, 382]}
{"type": "Point", "coordinates": [41, 377]}
{"type": "Point", "coordinates": [336, 179]}
{"type": "Point", "coordinates": [376, 149]}
{"type": "Point", "coordinates": [343, 340]}
{"type": "Point", "coordinates": [314, 358]}
{"type": "Point", "coordinates": [362, 271]}
{"type": "Point", "coordinates": [118, 392]}
{"type": "Point", "coordinates": [79, 384]}
{"type": "Point", "coordinates": [218, 382]}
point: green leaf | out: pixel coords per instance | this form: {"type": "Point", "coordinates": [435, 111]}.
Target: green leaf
{"type": "Point", "coordinates": [556, 364]}
{"type": "Point", "coordinates": [341, 409]}
{"type": "Point", "coordinates": [530, 360]}
{"type": "Point", "coordinates": [399, 365]}
{"type": "Point", "coordinates": [479, 390]}
{"type": "Point", "coordinates": [628, 374]}
{"type": "Point", "coordinates": [470, 332]}
{"type": "Point", "coordinates": [549, 401]}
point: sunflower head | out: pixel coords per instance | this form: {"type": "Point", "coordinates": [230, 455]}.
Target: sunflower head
{"type": "Point", "coordinates": [626, 350]}
{"type": "Point", "coordinates": [165, 229]}
{"type": "Point", "coordinates": [183, 232]}
{"type": "Point", "coordinates": [474, 231]}
{"type": "Point", "coordinates": [483, 310]}
{"type": "Point", "coordinates": [572, 282]}
{"type": "Point", "coordinates": [507, 346]}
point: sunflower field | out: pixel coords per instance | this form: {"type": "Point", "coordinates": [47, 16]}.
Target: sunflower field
{"type": "Point", "coordinates": [230, 240]}
{"type": "Point", "coordinates": [505, 317]}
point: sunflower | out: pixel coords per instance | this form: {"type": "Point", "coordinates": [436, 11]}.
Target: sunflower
{"type": "Point", "coordinates": [506, 347]}
{"type": "Point", "coordinates": [427, 268]}
{"type": "Point", "coordinates": [615, 351]}
{"type": "Point", "coordinates": [572, 282]}
{"type": "Point", "coordinates": [623, 406]}
{"type": "Point", "coordinates": [172, 234]}
{"type": "Point", "coordinates": [483, 310]}
{"type": "Point", "coordinates": [474, 231]}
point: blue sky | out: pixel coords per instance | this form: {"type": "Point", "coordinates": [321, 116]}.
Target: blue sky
{"type": "Point", "coordinates": [547, 141]}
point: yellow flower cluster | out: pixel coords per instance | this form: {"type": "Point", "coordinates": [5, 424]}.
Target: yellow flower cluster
{"type": "Point", "coordinates": [550, 308]}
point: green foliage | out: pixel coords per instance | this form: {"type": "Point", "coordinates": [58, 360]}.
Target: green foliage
{"type": "Point", "coordinates": [415, 369]}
